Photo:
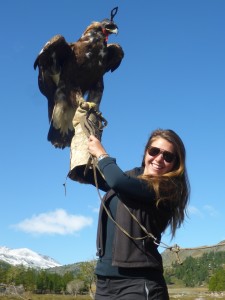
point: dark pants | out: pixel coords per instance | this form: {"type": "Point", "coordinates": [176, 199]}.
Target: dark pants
{"type": "Point", "coordinates": [131, 289]}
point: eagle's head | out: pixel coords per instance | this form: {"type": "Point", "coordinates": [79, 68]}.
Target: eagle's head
{"type": "Point", "coordinates": [105, 28]}
{"type": "Point", "coordinates": [109, 27]}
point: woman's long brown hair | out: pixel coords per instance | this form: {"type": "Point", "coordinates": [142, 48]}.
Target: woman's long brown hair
{"type": "Point", "coordinates": [174, 185]}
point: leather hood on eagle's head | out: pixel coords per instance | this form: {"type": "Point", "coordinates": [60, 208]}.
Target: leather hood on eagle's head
{"type": "Point", "coordinates": [109, 26]}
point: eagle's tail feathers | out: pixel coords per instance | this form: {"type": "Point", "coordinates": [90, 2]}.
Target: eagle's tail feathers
{"type": "Point", "coordinates": [59, 139]}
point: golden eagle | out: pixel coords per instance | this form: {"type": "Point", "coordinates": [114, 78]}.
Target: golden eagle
{"type": "Point", "coordinates": [68, 72]}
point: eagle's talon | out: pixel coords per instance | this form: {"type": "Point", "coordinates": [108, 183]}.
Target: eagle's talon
{"type": "Point", "coordinates": [88, 105]}
{"type": "Point", "coordinates": [91, 105]}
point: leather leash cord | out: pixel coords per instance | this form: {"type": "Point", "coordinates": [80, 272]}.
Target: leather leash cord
{"type": "Point", "coordinates": [89, 128]}
{"type": "Point", "coordinates": [174, 248]}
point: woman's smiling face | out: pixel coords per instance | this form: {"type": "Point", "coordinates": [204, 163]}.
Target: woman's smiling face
{"type": "Point", "coordinates": [157, 165]}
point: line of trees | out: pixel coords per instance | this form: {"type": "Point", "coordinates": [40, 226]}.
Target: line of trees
{"type": "Point", "coordinates": [43, 281]}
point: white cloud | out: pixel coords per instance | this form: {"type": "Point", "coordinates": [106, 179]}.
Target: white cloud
{"type": "Point", "coordinates": [94, 209]}
{"type": "Point", "coordinates": [211, 210]}
{"type": "Point", "coordinates": [192, 210]}
{"type": "Point", "coordinates": [54, 222]}
{"type": "Point", "coordinates": [205, 210]}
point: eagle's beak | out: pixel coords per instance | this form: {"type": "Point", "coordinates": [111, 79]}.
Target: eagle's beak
{"type": "Point", "coordinates": [115, 31]}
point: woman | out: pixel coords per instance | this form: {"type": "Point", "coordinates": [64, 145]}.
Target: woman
{"type": "Point", "coordinates": [137, 208]}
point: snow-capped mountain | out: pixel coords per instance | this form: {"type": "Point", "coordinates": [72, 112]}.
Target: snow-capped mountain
{"type": "Point", "coordinates": [27, 258]}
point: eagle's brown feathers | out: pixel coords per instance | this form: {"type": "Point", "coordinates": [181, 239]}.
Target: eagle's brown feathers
{"type": "Point", "coordinates": [69, 71]}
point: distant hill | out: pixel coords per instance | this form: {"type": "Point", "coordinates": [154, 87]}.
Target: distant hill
{"type": "Point", "coordinates": [169, 257]}
{"type": "Point", "coordinates": [61, 270]}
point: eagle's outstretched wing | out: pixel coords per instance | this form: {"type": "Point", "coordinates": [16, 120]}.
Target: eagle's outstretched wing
{"type": "Point", "coordinates": [69, 71]}
{"type": "Point", "coordinates": [50, 62]}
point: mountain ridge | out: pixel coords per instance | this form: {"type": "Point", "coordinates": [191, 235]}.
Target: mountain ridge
{"type": "Point", "coordinates": [27, 258]}
{"type": "Point", "coordinates": [31, 259]}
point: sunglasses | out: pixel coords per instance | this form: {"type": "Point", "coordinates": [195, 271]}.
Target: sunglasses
{"type": "Point", "coordinates": [167, 156]}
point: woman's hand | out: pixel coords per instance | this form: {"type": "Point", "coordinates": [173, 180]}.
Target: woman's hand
{"type": "Point", "coordinates": [95, 147]}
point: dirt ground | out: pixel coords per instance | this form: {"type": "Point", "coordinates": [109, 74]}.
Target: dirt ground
{"type": "Point", "coordinates": [194, 294]}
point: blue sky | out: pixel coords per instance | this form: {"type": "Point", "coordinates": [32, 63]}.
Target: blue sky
{"type": "Point", "coordinates": [172, 76]}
